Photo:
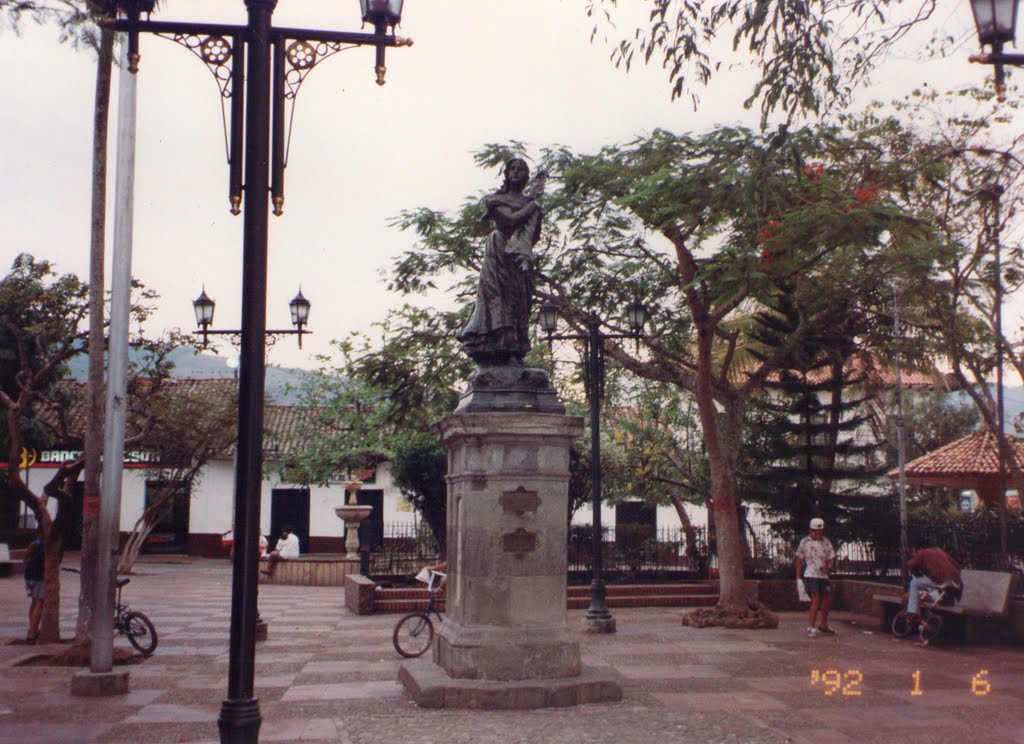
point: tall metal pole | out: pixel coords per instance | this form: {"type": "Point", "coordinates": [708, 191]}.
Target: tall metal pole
{"type": "Point", "coordinates": [598, 618]}
{"type": "Point", "coordinates": [901, 448]}
{"type": "Point", "coordinates": [240, 713]}
{"type": "Point", "coordinates": [117, 372]}
{"type": "Point", "coordinates": [997, 192]}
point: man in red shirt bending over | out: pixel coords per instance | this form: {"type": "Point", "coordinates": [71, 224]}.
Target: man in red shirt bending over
{"type": "Point", "coordinates": [931, 568]}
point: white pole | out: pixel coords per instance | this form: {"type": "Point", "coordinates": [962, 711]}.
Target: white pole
{"type": "Point", "coordinates": [117, 372]}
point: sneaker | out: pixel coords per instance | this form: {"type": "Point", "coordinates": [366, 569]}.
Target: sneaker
{"type": "Point", "coordinates": [827, 631]}
{"type": "Point", "coordinates": [811, 632]}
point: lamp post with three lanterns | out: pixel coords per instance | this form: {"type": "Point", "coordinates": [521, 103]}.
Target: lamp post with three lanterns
{"type": "Point", "coordinates": [258, 68]}
{"type": "Point", "coordinates": [598, 619]}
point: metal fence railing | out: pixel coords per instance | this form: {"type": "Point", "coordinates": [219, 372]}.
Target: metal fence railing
{"type": "Point", "coordinates": [639, 552]}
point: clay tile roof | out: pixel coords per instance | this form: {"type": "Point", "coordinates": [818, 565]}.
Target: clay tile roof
{"type": "Point", "coordinates": [975, 454]}
{"type": "Point", "coordinates": [280, 423]}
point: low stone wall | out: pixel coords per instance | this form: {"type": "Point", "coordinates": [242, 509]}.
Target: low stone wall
{"type": "Point", "coordinates": [849, 595]}
{"type": "Point", "coordinates": [311, 570]}
{"type": "Point", "coordinates": [359, 594]}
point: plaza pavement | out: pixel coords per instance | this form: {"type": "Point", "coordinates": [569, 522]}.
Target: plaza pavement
{"type": "Point", "coordinates": [325, 675]}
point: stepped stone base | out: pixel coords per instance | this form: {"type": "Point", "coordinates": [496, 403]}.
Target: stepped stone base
{"type": "Point", "coordinates": [431, 687]}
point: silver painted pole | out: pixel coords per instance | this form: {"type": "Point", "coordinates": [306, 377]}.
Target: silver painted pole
{"type": "Point", "coordinates": [117, 372]}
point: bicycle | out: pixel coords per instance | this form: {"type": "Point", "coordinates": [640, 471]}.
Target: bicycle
{"type": "Point", "coordinates": [928, 623]}
{"type": "Point", "coordinates": [415, 632]}
{"type": "Point", "coordinates": [128, 622]}
{"type": "Point", "coordinates": [139, 628]}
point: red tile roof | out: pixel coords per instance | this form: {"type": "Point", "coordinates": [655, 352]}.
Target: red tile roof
{"type": "Point", "coordinates": [973, 455]}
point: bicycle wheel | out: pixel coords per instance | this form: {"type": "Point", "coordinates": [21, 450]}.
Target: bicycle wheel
{"type": "Point", "coordinates": [931, 626]}
{"type": "Point", "coordinates": [413, 635]}
{"type": "Point", "coordinates": [902, 624]}
{"type": "Point", "coordinates": [140, 632]}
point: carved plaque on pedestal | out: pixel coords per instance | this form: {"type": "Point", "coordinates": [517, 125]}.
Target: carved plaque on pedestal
{"type": "Point", "coordinates": [519, 501]}
{"type": "Point", "coordinates": [519, 542]}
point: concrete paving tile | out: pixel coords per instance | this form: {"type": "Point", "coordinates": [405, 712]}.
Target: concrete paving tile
{"type": "Point", "coordinates": [680, 671]}
{"type": "Point", "coordinates": [300, 730]}
{"type": "Point", "coordinates": [168, 713]}
{"type": "Point", "coordinates": [52, 733]}
{"type": "Point", "coordinates": [346, 667]}
{"type": "Point", "coordinates": [138, 697]}
{"type": "Point", "coordinates": [345, 691]}
{"type": "Point", "coordinates": [719, 701]}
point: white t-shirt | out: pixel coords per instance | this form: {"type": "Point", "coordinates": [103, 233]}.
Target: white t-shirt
{"type": "Point", "coordinates": [288, 547]}
{"type": "Point", "coordinates": [815, 554]}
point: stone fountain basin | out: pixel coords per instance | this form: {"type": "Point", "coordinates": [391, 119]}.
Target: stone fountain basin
{"type": "Point", "coordinates": [353, 513]}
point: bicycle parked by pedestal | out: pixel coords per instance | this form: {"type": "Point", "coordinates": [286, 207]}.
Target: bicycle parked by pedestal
{"type": "Point", "coordinates": [415, 632]}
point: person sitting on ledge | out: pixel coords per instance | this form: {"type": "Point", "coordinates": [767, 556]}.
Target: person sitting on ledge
{"type": "Point", "coordinates": [287, 548]}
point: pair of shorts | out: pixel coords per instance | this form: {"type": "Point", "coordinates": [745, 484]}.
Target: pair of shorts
{"type": "Point", "coordinates": [816, 586]}
{"type": "Point", "coordinates": [34, 589]}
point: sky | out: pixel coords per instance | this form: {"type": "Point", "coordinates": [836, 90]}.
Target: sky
{"type": "Point", "coordinates": [480, 71]}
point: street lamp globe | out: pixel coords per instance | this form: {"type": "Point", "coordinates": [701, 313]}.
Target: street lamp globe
{"type": "Point", "coordinates": [203, 307]}
{"type": "Point", "coordinates": [299, 307]}
{"type": "Point", "coordinates": [387, 12]}
{"type": "Point", "coordinates": [996, 20]}
{"type": "Point", "coordinates": [636, 316]}
{"type": "Point", "coordinates": [548, 317]}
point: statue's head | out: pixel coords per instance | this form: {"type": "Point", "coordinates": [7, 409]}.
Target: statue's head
{"type": "Point", "coordinates": [517, 173]}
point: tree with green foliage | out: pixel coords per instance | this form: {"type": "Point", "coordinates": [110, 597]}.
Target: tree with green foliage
{"type": "Point", "coordinates": [802, 457]}
{"type": "Point", "coordinates": [41, 314]}
{"type": "Point", "coordinates": [41, 319]}
{"type": "Point", "coordinates": [697, 226]}
{"type": "Point", "coordinates": [811, 56]}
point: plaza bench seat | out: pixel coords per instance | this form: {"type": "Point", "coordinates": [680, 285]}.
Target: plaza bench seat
{"type": "Point", "coordinates": [986, 597]}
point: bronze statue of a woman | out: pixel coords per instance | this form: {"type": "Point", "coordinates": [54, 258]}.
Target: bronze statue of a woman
{"type": "Point", "coordinates": [498, 330]}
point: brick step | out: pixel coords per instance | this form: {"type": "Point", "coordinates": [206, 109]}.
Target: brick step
{"type": "Point", "coordinates": [637, 590]}
{"type": "Point", "coordinates": [611, 590]}
{"type": "Point", "coordinates": [404, 605]}
{"type": "Point", "coordinates": [648, 600]}
{"type": "Point", "coordinates": [618, 595]}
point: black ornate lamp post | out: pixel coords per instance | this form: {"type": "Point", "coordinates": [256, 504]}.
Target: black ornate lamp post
{"type": "Point", "coordinates": [599, 618]}
{"type": "Point", "coordinates": [204, 306]}
{"type": "Point", "coordinates": [997, 24]}
{"type": "Point", "coordinates": [272, 62]}
{"type": "Point", "coordinates": [996, 21]}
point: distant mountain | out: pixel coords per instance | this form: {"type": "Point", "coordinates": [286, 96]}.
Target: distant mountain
{"type": "Point", "coordinates": [188, 364]}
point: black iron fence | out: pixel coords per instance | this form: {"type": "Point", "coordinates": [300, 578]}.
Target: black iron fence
{"type": "Point", "coordinates": [639, 552]}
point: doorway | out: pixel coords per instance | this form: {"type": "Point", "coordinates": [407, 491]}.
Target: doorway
{"type": "Point", "coordinates": [371, 531]}
{"type": "Point", "coordinates": [289, 506]}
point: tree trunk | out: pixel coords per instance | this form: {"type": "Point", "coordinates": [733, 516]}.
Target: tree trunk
{"type": "Point", "coordinates": [95, 400]}
{"type": "Point", "coordinates": [684, 519]}
{"type": "Point", "coordinates": [723, 460]}
{"type": "Point", "coordinates": [53, 547]}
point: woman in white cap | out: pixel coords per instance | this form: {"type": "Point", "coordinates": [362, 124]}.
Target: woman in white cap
{"type": "Point", "coordinates": [814, 558]}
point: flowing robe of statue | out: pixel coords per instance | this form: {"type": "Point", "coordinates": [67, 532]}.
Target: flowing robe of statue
{"type": "Point", "coordinates": [497, 332]}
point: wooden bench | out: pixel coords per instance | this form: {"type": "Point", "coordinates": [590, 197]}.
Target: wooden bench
{"type": "Point", "coordinates": [985, 599]}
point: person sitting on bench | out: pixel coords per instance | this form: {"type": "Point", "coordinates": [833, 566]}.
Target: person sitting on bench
{"type": "Point", "coordinates": [932, 568]}
{"type": "Point", "coordinates": [287, 548]}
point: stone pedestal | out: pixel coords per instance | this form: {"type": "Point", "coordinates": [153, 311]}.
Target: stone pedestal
{"type": "Point", "coordinates": [505, 627]}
